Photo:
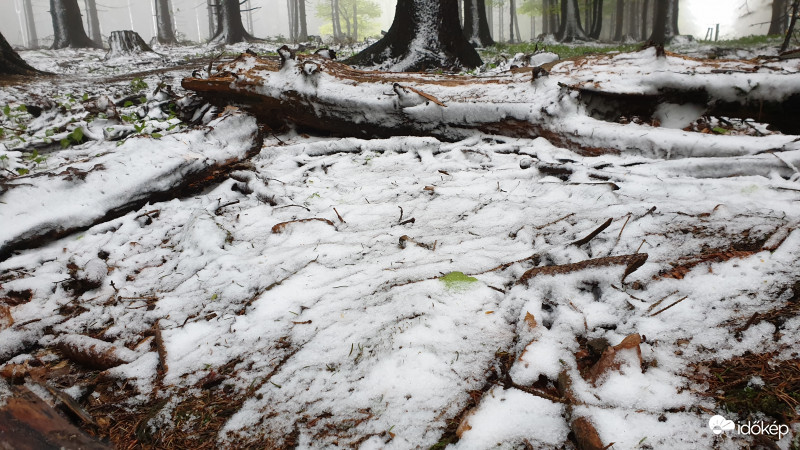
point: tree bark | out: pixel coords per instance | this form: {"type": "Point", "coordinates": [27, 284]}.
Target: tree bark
{"type": "Point", "coordinates": [672, 20]}
{"type": "Point", "coordinates": [303, 21]}
{"type": "Point", "coordinates": [165, 31]}
{"type": "Point", "coordinates": [425, 35]}
{"type": "Point", "coordinates": [597, 24]}
{"type": "Point", "coordinates": [659, 36]}
{"type": "Point", "coordinates": [355, 20]}
{"type": "Point", "coordinates": [633, 20]}
{"type": "Point", "coordinates": [68, 26]}
{"type": "Point", "coordinates": [620, 16]}
{"type": "Point", "coordinates": [230, 28]}
{"type": "Point", "coordinates": [777, 24]}
{"type": "Point", "coordinates": [93, 22]}
{"type": "Point", "coordinates": [30, 24]}
{"type": "Point", "coordinates": [126, 42]}
{"type": "Point", "coordinates": [10, 61]}
{"type": "Point", "coordinates": [571, 28]}
{"type": "Point", "coordinates": [514, 22]}
{"type": "Point", "coordinates": [476, 26]}
{"type": "Point", "coordinates": [645, 15]}
{"type": "Point", "coordinates": [792, 23]}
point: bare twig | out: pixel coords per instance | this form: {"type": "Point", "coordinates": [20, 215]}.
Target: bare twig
{"type": "Point", "coordinates": [593, 234]}
{"type": "Point", "coordinates": [339, 216]}
{"type": "Point", "coordinates": [668, 307]}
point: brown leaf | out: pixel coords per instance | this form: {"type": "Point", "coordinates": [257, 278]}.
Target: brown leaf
{"type": "Point", "coordinates": [530, 320]}
{"type": "Point", "coordinates": [608, 360]}
{"type": "Point", "coordinates": [281, 227]}
{"type": "Point", "coordinates": [586, 434]}
{"type": "Point", "coordinates": [5, 317]}
{"type": "Point", "coordinates": [464, 425]}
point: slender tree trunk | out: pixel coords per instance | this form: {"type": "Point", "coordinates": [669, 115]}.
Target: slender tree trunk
{"type": "Point", "coordinates": [290, 8]}
{"type": "Point", "coordinates": [571, 28]}
{"type": "Point", "coordinates": [30, 24]}
{"type": "Point", "coordinates": [213, 19]}
{"type": "Point", "coordinates": [659, 36]}
{"type": "Point", "coordinates": [778, 17]}
{"type": "Point", "coordinates": [165, 31]}
{"type": "Point", "coordinates": [460, 13]}
{"type": "Point", "coordinates": [93, 22]}
{"type": "Point", "coordinates": [792, 23]}
{"type": "Point", "coordinates": [645, 14]}
{"type": "Point", "coordinates": [68, 26]}
{"type": "Point", "coordinates": [346, 22]}
{"type": "Point", "coordinates": [476, 25]}
{"type": "Point", "coordinates": [597, 23]}
{"type": "Point", "coordinates": [500, 24]}
{"type": "Point", "coordinates": [620, 22]}
{"type": "Point", "coordinates": [672, 19]}
{"type": "Point", "coordinates": [633, 19]}
{"type": "Point", "coordinates": [355, 21]}
{"type": "Point", "coordinates": [490, 18]}
{"type": "Point", "coordinates": [303, 21]}
{"type": "Point", "coordinates": [438, 41]}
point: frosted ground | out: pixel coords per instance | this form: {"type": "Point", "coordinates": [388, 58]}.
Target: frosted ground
{"type": "Point", "coordinates": [337, 292]}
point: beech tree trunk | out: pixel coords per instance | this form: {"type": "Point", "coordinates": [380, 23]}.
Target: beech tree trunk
{"type": "Point", "coordinates": [620, 16]}
{"type": "Point", "coordinates": [672, 20]}
{"type": "Point", "coordinates": [301, 7]}
{"type": "Point", "coordinates": [777, 24]}
{"type": "Point", "coordinates": [93, 22]}
{"type": "Point", "coordinates": [166, 32]}
{"type": "Point", "coordinates": [213, 19]}
{"type": "Point", "coordinates": [644, 16]}
{"type": "Point", "coordinates": [230, 28]}
{"type": "Point", "coordinates": [476, 26]}
{"type": "Point", "coordinates": [438, 42]}
{"type": "Point", "coordinates": [571, 28]}
{"type": "Point", "coordinates": [659, 36]}
{"type": "Point", "coordinates": [792, 24]}
{"type": "Point", "coordinates": [30, 24]}
{"type": "Point", "coordinates": [597, 23]}
{"type": "Point", "coordinates": [67, 25]}
{"type": "Point", "coordinates": [10, 61]}
{"type": "Point", "coordinates": [513, 23]}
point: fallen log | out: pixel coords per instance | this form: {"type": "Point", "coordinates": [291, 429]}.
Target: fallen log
{"type": "Point", "coordinates": [322, 95]}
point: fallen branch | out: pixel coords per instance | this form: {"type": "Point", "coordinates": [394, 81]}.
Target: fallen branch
{"type": "Point", "coordinates": [632, 262]}
{"type": "Point", "coordinates": [593, 234]}
{"type": "Point", "coordinates": [668, 307]}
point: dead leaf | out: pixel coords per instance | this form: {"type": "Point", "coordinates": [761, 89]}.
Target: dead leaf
{"type": "Point", "coordinates": [281, 227]}
{"type": "Point", "coordinates": [530, 320]}
{"type": "Point", "coordinates": [5, 317]}
{"type": "Point", "coordinates": [609, 361]}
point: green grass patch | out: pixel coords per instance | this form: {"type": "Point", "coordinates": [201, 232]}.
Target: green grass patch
{"type": "Point", "coordinates": [563, 51]}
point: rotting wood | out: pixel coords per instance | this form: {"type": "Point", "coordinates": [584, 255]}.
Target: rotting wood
{"type": "Point", "coordinates": [632, 262]}
{"type": "Point", "coordinates": [28, 423]}
{"type": "Point", "coordinates": [90, 352]}
{"type": "Point", "coordinates": [69, 403]}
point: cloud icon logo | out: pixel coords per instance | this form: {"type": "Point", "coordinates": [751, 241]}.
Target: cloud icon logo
{"type": "Point", "coordinates": [719, 424]}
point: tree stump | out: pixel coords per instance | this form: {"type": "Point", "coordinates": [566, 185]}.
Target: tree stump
{"type": "Point", "coordinates": [126, 42]}
{"type": "Point", "coordinates": [10, 61]}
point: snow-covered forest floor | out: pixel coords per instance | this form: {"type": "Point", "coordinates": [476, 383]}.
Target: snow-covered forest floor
{"type": "Point", "coordinates": [192, 280]}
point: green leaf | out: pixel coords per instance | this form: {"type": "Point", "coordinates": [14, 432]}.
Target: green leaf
{"type": "Point", "coordinates": [22, 108]}
{"type": "Point", "coordinates": [157, 135]}
{"type": "Point", "coordinates": [127, 104]}
{"type": "Point", "coordinates": [76, 136]}
{"type": "Point", "coordinates": [85, 96]}
{"type": "Point", "coordinates": [3, 157]}
{"type": "Point", "coordinates": [7, 110]}
{"type": "Point", "coordinates": [65, 143]}
{"type": "Point", "coordinates": [50, 132]}
{"type": "Point", "coordinates": [22, 171]}
{"type": "Point", "coordinates": [457, 280]}
{"type": "Point", "coordinates": [720, 130]}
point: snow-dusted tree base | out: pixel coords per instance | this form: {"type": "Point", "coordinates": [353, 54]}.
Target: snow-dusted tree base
{"type": "Point", "coordinates": [10, 61]}
{"type": "Point", "coordinates": [125, 42]}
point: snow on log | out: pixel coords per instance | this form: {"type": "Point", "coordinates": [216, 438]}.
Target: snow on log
{"type": "Point", "coordinates": [561, 108]}
{"type": "Point", "coordinates": [125, 42]}
{"type": "Point", "coordinates": [121, 179]}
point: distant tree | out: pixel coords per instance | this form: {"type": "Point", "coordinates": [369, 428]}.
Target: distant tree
{"type": "Point", "coordinates": [302, 20]}
{"type": "Point", "coordinates": [93, 22]}
{"type": "Point", "coordinates": [513, 23]}
{"type": "Point", "coordinates": [10, 61]}
{"type": "Point", "coordinates": [358, 15]}
{"type": "Point", "coordinates": [230, 28]}
{"type": "Point", "coordinates": [619, 33]}
{"type": "Point", "coordinates": [67, 25]}
{"type": "Point", "coordinates": [597, 19]}
{"type": "Point", "coordinates": [438, 41]}
{"type": "Point", "coordinates": [672, 19]}
{"type": "Point", "coordinates": [777, 24]}
{"type": "Point", "coordinates": [644, 18]}
{"type": "Point", "coordinates": [571, 28]}
{"type": "Point", "coordinates": [165, 31]}
{"type": "Point", "coordinates": [30, 24]}
{"type": "Point", "coordinates": [476, 26]}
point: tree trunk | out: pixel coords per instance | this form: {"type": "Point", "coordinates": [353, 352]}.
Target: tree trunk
{"type": "Point", "coordinates": [303, 21]}
{"type": "Point", "coordinates": [346, 18]}
{"type": "Point", "coordinates": [93, 22]}
{"type": "Point", "coordinates": [659, 36]}
{"type": "Point", "coordinates": [514, 22]}
{"type": "Point", "coordinates": [355, 20]}
{"type": "Point", "coordinates": [337, 23]}
{"type": "Point", "coordinates": [432, 26]}
{"type": "Point", "coordinates": [213, 18]}
{"type": "Point", "coordinates": [476, 26]}
{"type": "Point", "coordinates": [571, 28]}
{"type": "Point", "coordinates": [500, 23]}
{"type": "Point", "coordinates": [633, 19]}
{"type": "Point", "coordinates": [620, 16]}
{"type": "Point", "coordinates": [778, 22]}
{"type": "Point", "coordinates": [597, 24]}
{"type": "Point", "coordinates": [672, 19]}
{"type": "Point", "coordinates": [165, 31]}
{"type": "Point", "coordinates": [645, 15]}
{"type": "Point", "coordinates": [10, 61]}
{"type": "Point", "coordinates": [792, 23]}
{"type": "Point", "coordinates": [126, 42]}
{"type": "Point", "coordinates": [460, 12]}
{"type": "Point", "coordinates": [67, 25]}
{"type": "Point", "coordinates": [230, 28]}
{"type": "Point", "coordinates": [30, 24]}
